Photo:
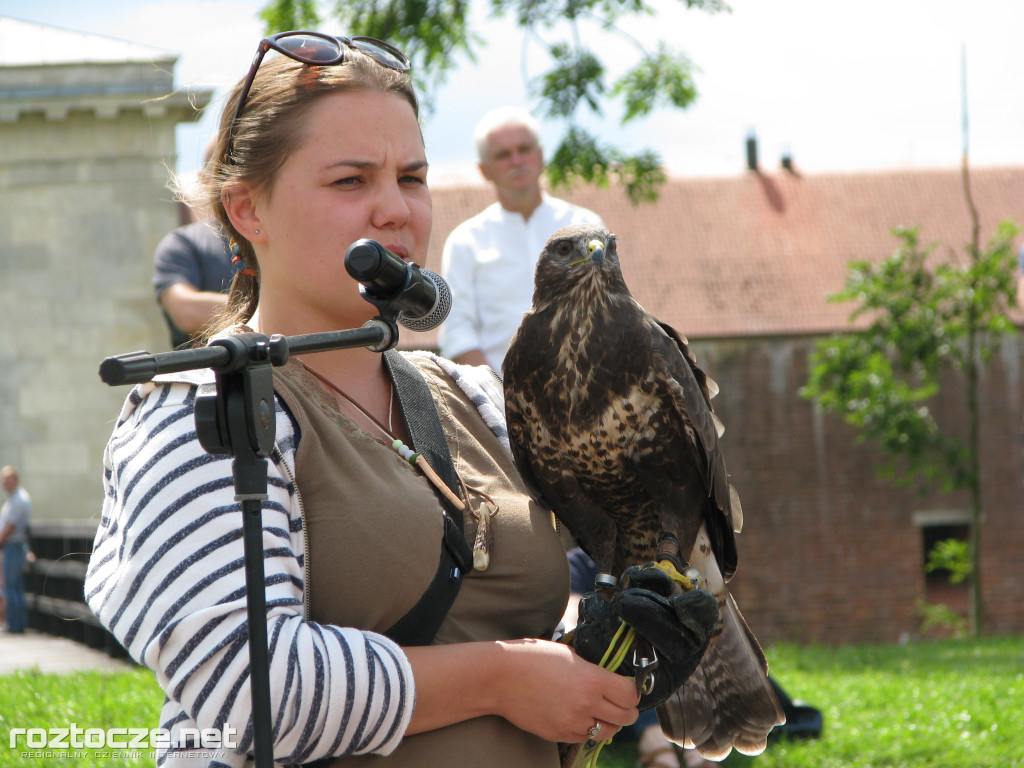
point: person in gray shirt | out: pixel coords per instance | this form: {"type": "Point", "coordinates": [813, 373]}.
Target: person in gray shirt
{"type": "Point", "coordinates": [15, 516]}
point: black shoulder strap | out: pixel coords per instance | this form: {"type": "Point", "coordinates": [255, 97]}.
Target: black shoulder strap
{"type": "Point", "coordinates": [421, 623]}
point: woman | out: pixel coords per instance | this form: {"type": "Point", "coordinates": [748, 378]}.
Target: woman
{"type": "Point", "coordinates": [311, 157]}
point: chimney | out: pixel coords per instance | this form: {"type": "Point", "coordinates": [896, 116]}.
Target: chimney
{"type": "Point", "coordinates": [752, 151]}
{"type": "Point", "coordinates": [787, 161]}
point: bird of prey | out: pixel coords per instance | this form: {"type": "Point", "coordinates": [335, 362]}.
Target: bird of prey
{"type": "Point", "coordinates": [610, 418]}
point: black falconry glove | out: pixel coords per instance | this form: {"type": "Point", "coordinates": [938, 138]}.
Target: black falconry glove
{"type": "Point", "coordinates": [677, 625]}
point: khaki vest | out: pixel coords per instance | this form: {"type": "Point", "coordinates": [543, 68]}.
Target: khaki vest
{"type": "Point", "coordinates": [373, 532]}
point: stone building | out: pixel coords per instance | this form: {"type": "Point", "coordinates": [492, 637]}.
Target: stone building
{"type": "Point", "coordinates": [87, 135]}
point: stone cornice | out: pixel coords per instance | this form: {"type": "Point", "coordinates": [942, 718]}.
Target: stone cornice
{"type": "Point", "coordinates": [180, 105]}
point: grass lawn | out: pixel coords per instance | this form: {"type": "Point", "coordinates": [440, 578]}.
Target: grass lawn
{"type": "Point", "coordinates": [93, 699]}
{"type": "Point", "coordinates": [943, 704]}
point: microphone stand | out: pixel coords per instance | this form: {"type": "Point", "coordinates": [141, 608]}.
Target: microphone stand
{"type": "Point", "coordinates": [238, 418]}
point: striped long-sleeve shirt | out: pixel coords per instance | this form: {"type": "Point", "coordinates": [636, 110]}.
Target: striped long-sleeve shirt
{"type": "Point", "coordinates": [167, 578]}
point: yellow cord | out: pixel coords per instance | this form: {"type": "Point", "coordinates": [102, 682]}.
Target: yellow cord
{"type": "Point", "coordinates": [611, 645]}
{"type": "Point", "coordinates": [620, 655]}
{"type": "Point", "coordinates": [622, 640]}
{"type": "Point", "coordinates": [613, 657]}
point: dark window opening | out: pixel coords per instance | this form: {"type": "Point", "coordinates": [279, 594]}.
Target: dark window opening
{"type": "Point", "coordinates": [938, 589]}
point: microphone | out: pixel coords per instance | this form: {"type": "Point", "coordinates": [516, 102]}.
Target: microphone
{"type": "Point", "coordinates": [422, 298]}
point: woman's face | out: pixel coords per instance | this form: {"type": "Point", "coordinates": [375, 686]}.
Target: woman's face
{"type": "Point", "coordinates": [360, 172]}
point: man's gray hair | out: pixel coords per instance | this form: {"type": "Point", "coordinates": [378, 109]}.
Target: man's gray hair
{"type": "Point", "coordinates": [499, 118]}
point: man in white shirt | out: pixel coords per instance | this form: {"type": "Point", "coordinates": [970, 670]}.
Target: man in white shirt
{"type": "Point", "coordinates": [490, 259]}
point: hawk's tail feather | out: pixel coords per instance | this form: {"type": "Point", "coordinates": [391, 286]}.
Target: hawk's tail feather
{"type": "Point", "coordinates": [718, 709]}
{"type": "Point", "coordinates": [712, 387]}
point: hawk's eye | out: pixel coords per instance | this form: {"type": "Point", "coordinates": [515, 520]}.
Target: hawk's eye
{"type": "Point", "coordinates": [564, 248]}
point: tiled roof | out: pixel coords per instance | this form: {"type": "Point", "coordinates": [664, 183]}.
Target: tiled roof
{"type": "Point", "coordinates": [758, 254]}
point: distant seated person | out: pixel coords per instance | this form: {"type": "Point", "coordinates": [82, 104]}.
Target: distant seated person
{"type": "Point", "coordinates": [191, 276]}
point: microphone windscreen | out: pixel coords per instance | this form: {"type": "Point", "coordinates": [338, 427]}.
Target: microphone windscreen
{"type": "Point", "coordinates": [437, 314]}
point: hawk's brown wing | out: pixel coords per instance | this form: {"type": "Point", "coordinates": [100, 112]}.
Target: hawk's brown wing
{"type": "Point", "coordinates": [537, 430]}
{"type": "Point", "coordinates": [728, 702]}
{"type": "Point", "coordinates": [691, 392]}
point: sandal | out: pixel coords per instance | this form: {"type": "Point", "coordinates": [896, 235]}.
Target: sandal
{"type": "Point", "coordinates": [653, 758]}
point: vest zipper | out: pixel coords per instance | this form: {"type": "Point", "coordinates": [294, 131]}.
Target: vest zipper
{"type": "Point", "coordinates": [306, 602]}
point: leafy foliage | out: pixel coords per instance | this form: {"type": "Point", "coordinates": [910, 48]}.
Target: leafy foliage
{"type": "Point", "coordinates": [921, 312]}
{"type": "Point", "coordinates": [950, 555]}
{"type": "Point", "coordinates": [658, 74]}
{"type": "Point", "coordinates": [549, 12]}
{"type": "Point", "coordinates": [283, 15]}
{"type": "Point", "coordinates": [579, 156]}
{"type": "Point", "coordinates": [576, 76]}
{"type": "Point", "coordinates": [938, 619]}
{"type": "Point", "coordinates": [436, 33]}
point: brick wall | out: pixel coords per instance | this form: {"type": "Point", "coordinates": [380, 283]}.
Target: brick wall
{"type": "Point", "coordinates": [830, 552]}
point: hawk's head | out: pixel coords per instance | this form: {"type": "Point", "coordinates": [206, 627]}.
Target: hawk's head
{"type": "Point", "coordinates": [579, 260]}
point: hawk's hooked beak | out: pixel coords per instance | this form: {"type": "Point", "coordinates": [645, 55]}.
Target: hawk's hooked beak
{"type": "Point", "coordinates": [596, 250]}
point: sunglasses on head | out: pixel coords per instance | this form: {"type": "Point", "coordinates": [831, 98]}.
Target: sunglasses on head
{"type": "Point", "coordinates": [318, 50]}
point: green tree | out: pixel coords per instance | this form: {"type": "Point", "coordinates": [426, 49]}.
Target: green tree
{"type": "Point", "coordinates": [927, 315]}
{"type": "Point", "coordinates": [437, 37]}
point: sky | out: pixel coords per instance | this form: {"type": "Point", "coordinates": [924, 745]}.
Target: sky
{"type": "Point", "coordinates": [876, 84]}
